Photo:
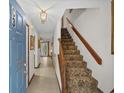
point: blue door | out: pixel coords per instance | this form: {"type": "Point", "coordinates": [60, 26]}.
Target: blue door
{"type": "Point", "coordinates": [17, 51]}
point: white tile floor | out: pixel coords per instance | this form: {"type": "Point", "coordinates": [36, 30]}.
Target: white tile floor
{"type": "Point", "coordinates": [45, 80]}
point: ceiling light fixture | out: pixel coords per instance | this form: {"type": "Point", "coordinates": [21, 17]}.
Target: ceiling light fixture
{"type": "Point", "coordinates": [43, 16]}
{"type": "Point", "coordinates": [43, 13]}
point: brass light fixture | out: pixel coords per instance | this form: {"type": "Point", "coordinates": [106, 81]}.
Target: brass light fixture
{"type": "Point", "coordinates": [43, 16]}
{"type": "Point", "coordinates": [43, 13]}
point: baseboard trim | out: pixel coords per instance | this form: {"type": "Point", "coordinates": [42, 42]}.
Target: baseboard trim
{"type": "Point", "coordinates": [112, 91]}
{"type": "Point", "coordinates": [37, 66]}
{"type": "Point", "coordinates": [31, 80]}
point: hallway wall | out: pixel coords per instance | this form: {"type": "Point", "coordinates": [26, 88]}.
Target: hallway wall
{"type": "Point", "coordinates": [57, 35]}
{"type": "Point", "coordinates": [57, 69]}
{"type": "Point", "coordinates": [31, 55]}
{"type": "Point", "coordinates": [34, 55]}
{"type": "Point", "coordinates": [37, 51]}
{"type": "Point", "coordinates": [95, 26]}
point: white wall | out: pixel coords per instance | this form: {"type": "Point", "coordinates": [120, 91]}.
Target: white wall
{"type": "Point", "coordinates": [34, 55]}
{"type": "Point", "coordinates": [37, 51]}
{"type": "Point", "coordinates": [57, 35]}
{"type": "Point", "coordinates": [31, 55]}
{"type": "Point", "coordinates": [95, 26]}
{"type": "Point", "coordinates": [57, 69]}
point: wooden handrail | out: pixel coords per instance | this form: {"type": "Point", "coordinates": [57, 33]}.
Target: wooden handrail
{"type": "Point", "coordinates": [62, 65]}
{"type": "Point", "coordinates": [86, 44]}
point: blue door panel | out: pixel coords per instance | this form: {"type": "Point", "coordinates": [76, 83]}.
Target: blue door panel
{"type": "Point", "coordinates": [19, 22]}
{"type": "Point", "coordinates": [17, 51]}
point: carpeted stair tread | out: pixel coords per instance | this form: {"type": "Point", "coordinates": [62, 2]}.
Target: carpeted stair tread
{"type": "Point", "coordinates": [65, 34]}
{"type": "Point", "coordinates": [70, 47]}
{"type": "Point", "coordinates": [67, 40]}
{"type": "Point", "coordinates": [79, 72]}
{"type": "Point", "coordinates": [68, 43]}
{"type": "Point", "coordinates": [76, 64]}
{"type": "Point", "coordinates": [89, 90]}
{"type": "Point", "coordinates": [85, 90]}
{"type": "Point", "coordinates": [86, 82]}
{"type": "Point", "coordinates": [66, 37]}
{"type": "Point", "coordinates": [73, 57]}
{"type": "Point", "coordinates": [72, 52]}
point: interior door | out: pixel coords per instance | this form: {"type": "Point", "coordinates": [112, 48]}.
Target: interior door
{"type": "Point", "coordinates": [17, 52]}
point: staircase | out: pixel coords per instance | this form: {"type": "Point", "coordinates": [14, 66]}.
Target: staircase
{"type": "Point", "coordinates": [78, 76]}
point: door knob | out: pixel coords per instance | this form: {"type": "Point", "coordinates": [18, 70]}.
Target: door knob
{"type": "Point", "coordinates": [25, 64]}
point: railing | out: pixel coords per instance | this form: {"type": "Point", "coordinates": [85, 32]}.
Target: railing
{"type": "Point", "coordinates": [62, 65]}
{"type": "Point", "coordinates": [86, 44]}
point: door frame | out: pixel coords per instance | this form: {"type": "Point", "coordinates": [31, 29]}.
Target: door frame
{"type": "Point", "coordinates": [28, 50]}
{"type": "Point", "coordinates": [47, 47]}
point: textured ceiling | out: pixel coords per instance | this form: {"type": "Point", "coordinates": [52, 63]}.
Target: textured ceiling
{"type": "Point", "coordinates": [55, 9]}
{"type": "Point", "coordinates": [32, 12]}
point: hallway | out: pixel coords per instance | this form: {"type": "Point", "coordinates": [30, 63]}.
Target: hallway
{"type": "Point", "coordinates": [78, 34]}
{"type": "Point", "coordinates": [45, 80]}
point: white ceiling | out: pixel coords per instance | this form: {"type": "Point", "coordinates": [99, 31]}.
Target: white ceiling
{"type": "Point", "coordinates": [32, 12]}
{"type": "Point", "coordinates": [55, 9]}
